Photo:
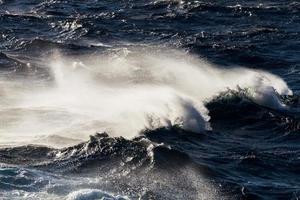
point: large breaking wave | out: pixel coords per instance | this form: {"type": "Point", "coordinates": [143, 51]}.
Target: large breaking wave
{"type": "Point", "coordinates": [124, 92]}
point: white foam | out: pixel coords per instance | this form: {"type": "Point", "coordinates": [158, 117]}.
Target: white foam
{"type": "Point", "coordinates": [92, 194]}
{"type": "Point", "coordinates": [125, 92]}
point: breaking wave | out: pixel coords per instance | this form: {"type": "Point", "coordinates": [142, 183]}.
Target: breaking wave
{"type": "Point", "coordinates": [125, 92]}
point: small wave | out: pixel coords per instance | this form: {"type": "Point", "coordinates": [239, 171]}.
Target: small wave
{"type": "Point", "coordinates": [258, 31]}
{"type": "Point", "coordinates": [92, 194]}
{"type": "Point", "coordinates": [41, 44]}
{"type": "Point", "coordinates": [15, 65]}
{"type": "Point", "coordinates": [230, 108]}
{"type": "Point", "coordinates": [7, 62]}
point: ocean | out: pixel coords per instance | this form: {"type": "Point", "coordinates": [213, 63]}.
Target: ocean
{"type": "Point", "coordinates": [149, 100]}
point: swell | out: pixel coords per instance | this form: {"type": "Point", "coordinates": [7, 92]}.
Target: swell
{"type": "Point", "coordinates": [100, 150]}
{"type": "Point", "coordinates": [121, 166]}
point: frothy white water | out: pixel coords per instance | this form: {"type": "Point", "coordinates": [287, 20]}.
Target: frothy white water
{"type": "Point", "coordinates": [124, 93]}
{"type": "Point", "coordinates": [92, 194]}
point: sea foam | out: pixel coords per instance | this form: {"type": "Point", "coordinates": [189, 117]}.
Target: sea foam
{"type": "Point", "coordinates": [127, 91]}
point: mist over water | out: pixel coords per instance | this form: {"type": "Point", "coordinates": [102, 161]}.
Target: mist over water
{"type": "Point", "coordinates": [124, 93]}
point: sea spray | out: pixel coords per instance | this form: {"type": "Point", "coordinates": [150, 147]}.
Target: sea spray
{"type": "Point", "coordinates": [125, 93]}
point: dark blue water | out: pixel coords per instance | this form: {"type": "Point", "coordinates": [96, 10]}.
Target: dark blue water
{"type": "Point", "coordinates": [252, 151]}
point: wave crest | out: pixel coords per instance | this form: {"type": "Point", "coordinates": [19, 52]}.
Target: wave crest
{"type": "Point", "coordinates": [126, 91]}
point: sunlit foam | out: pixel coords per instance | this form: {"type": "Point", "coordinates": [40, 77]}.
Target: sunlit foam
{"type": "Point", "coordinates": [125, 93]}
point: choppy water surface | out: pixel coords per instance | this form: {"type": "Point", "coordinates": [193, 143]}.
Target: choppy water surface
{"type": "Point", "coordinates": [149, 99]}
